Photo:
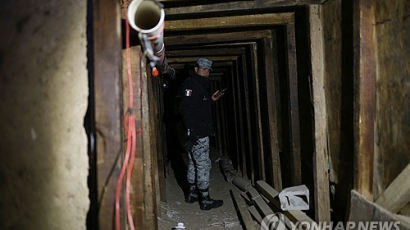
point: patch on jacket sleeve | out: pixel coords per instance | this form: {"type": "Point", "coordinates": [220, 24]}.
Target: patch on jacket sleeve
{"type": "Point", "coordinates": [188, 92]}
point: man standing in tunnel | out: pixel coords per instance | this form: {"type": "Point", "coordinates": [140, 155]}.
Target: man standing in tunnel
{"type": "Point", "coordinates": [197, 117]}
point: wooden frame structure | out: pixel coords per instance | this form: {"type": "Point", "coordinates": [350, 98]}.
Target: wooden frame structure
{"type": "Point", "coordinates": [108, 119]}
{"type": "Point", "coordinates": [237, 36]}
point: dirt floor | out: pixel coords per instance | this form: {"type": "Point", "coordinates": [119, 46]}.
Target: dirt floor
{"type": "Point", "coordinates": [176, 210]}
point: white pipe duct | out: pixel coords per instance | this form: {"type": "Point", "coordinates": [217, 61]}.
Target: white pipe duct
{"type": "Point", "coordinates": [147, 18]}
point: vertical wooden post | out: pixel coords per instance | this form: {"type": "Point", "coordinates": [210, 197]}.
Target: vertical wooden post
{"type": "Point", "coordinates": [250, 150]}
{"type": "Point", "coordinates": [273, 105]}
{"type": "Point", "coordinates": [364, 95]}
{"type": "Point", "coordinates": [146, 147]}
{"type": "Point", "coordinates": [320, 161]}
{"type": "Point", "coordinates": [256, 100]}
{"type": "Point", "coordinates": [241, 119]}
{"type": "Point", "coordinates": [294, 126]}
{"type": "Point", "coordinates": [236, 122]}
{"type": "Point", "coordinates": [108, 98]}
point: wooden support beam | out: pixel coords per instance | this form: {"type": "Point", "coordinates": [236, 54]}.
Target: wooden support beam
{"type": "Point", "coordinates": [215, 66]}
{"type": "Point", "coordinates": [229, 22]}
{"type": "Point", "coordinates": [220, 51]}
{"type": "Point", "coordinates": [147, 146]}
{"type": "Point", "coordinates": [197, 39]}
{"type": "Point", "coordinates": [364, 95]}
{"type": "Point", "coordinates": [272, 99]}
{"type": "Point", "coordinates": [193, 59]}
{"type": "Point", "coordinates": [224, 116]}
{"type": "Point", "coordinates": [397, 195]}
{"type": "Point", "coordinates": [294, 126]}
{"type": "Point", "coordinates": [238, 136]}
{"type": "Point", "coordinates": [257, 104]}
{"type": "Point", "coordinates": [251, 147]}
{"type": "Point", "coordinates": [320, 160]}
{"type": "Point", "coordinates": [108, 97]}
{"type": "Point", "coordinates": [241, 120]}
{"type": "Point", "coordinates": [235, 6]}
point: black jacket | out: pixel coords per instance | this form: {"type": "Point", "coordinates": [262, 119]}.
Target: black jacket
{"type": "Point", "coordinates": [195, 106]}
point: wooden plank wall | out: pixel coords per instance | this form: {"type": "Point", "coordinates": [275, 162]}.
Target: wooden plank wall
{"type": "Point", "coordinates": [392, 145]}
{"type": "Point", "coordinates": [364, 96]}
{"type": "Point", "coordinates": [371, 36]}
{"type": "Point", "coordinates": [108, 107]}
{"type": "Point", "coordinates": [321, 176]}
{"type": "Point", "coordinates": [147, 173]}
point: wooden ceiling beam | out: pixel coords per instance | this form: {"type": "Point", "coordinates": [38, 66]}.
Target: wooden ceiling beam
{"type": "Point", "coordinates": [206, 52]}
{"type": "Point", "coordinates": [236, 6]}
{"type": "Point", "coordinates": [217, 65]}
{"type": "Point", "coordinates": [231, 21]}
{"type": "Point", "coordinates": [193, 59]}
{"type": "Point", "coordinates": [217, 38]}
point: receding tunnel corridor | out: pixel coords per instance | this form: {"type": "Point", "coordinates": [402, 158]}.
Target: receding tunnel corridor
{"type": "Point", "coordinates": [310, 133]}
{"type": "Point", "coordinates": [255, 120]}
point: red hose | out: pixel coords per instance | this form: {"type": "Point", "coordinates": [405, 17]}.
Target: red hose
{"type": "Point", "coordinates": [119, 182]}
{"type": "Point", "coordinates": [131, 142]}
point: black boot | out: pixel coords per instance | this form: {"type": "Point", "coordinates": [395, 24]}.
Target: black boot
{"type": "Point", "coordinates": [192, 194]}
{"type": "Point", "coordinates": [207, 202]}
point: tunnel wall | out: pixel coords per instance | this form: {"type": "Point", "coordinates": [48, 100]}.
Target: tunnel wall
{"type": "Point", "coordinates": [338, 60]}
{"type": "Point", "coordinates": [43, 91]}
{"type": "Point", "coordinates": [332, 32]}
{"type": "Point", "coordinates": [392, 93]}
{"type": "Point", "coordinates": [392, 147]}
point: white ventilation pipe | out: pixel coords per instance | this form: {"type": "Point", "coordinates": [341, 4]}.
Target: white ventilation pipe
{"type": "Point", "coordinates": [147, 18]}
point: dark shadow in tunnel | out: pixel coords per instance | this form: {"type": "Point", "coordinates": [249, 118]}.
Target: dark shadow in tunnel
{"type": "Point", "coordinates": [175, 134]}
{"type": "Point", "coordinates": [343, 188]}
{"type": "Point", "coordinates": [89, 126]}
{"type": "Point", "coordinates": [305, 102]}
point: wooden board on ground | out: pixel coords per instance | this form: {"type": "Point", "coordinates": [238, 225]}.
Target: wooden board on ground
{"type": "Point", "coordinates": [243, 211]}
{"type": "Point", "coordinates": [255, 214]}
{"type": "Point", "coordinates": [271, 194]}
{"type": "Point", "coordinates": [397, 195]}
{"type": "Point", "coordinates": [260, 203]}
{"type": "Point", "coordinates": [362, 209]}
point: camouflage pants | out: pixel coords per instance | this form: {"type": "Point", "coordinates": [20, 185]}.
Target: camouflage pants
{"type": "Point", "coordinates": [199, 165]}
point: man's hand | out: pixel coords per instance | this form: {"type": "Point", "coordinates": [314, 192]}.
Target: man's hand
{"type": "Point", "coordinates": [217, 95]}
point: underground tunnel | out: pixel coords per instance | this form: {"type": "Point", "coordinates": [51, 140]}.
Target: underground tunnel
{"type": "Point", "coordinates": [316, 99]}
